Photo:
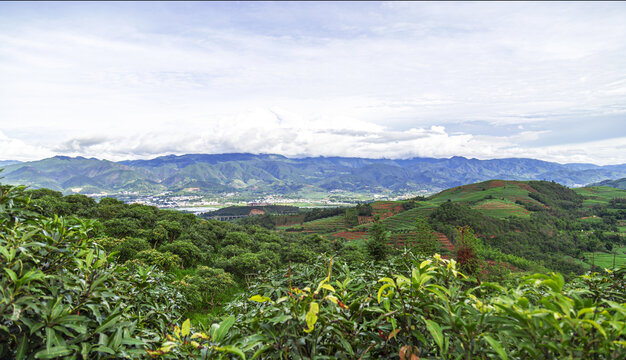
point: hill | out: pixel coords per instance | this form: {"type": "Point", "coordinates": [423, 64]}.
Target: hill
{"type": "Point", "coordinates": [618, 184]}
{"type": "Point", "coordinates": [525, 223]}
{"type": "Point", "coordinates": [250, 174]}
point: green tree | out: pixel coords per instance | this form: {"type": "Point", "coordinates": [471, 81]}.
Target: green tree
{"type": "Point", "coordinates": [377, 245]}
{"type": "Point", "coordinates": [426, 241]}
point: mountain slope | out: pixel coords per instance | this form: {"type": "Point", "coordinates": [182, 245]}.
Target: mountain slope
{"type": "Point", "coordinates": [269, 173]}
{"type": "Point", "coordinates": [618, 184]}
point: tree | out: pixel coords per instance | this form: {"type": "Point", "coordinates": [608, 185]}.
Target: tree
{"type": "Point", "coordinates": [211, 282]}
{"type": "Point", "coordinates": [377, 245]}
{"type": "Point", "coordinates": [467, 247]}
{"type": "Point", "coordinates": [426, 241]}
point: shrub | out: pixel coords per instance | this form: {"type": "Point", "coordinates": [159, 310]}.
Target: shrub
{"type": "Point", "coordinates": [62, 296]}
{"type": "Point", "coordinates": [164, 260]}
{"type": "Point", "coordinates": [186, 250]}
{"type": "Point", "coordinates": [127, 249]}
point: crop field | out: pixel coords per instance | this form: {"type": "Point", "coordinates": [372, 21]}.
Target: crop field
{"type": "Point", "coordinates": [591, 219]}
{"type": "Point", "coordinates": [386, 209]}
{"type": "Point", "coordinates": [326, 225]}
{"type": "Point", "coordinates": [402, 221]}
{"type": "Point", "coordinates": [351, 235]}
{"type": "Point", "coordinates": [501, 208]}
{"type": "Point", "coordinates": [493, 189]}
{"type": "Point", "coordinates": [599, 195]}
{"type": "Point", "coordinates": [605, 260]}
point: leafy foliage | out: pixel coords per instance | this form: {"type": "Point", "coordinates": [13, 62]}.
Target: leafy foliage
{"type": "Point", "coordinates": [425, 307]}
{"type": "Point", "coordinates": [62, 296]}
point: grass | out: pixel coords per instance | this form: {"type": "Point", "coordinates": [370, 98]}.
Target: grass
{"type": "Point", "coordinates": [203, 318]}
{"type": "Point", "coordinates": [323, 226]}
{"type": "Point", "coordinates": [599, 195]}
{"type": "Point", "coordinates": [605, 260]}
{"type": "Point", "coordinates": [495, 189]}
{"type": "Point", "coordinates": [501, 209]}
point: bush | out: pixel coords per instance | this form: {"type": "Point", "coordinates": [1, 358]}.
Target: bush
{"type": "Point", "coordinates": [127, 249]}
{"type": "Point", "coordinates": [164, 260]}
{"type": "Point", "coordinates": [189, 253]}
{"type": "Point", "coordinates": [62, 296]}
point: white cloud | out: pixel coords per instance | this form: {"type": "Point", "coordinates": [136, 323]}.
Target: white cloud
{"type": "Point", "coordinates": [372, 82]}
{"type": "Point", "coordinates": [15, 149]}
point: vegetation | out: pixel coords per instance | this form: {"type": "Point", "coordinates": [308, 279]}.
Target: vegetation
{"type": "Point", "coordinates": [87, 279]}
{"type": "Point", "coordinates": [413, 307]}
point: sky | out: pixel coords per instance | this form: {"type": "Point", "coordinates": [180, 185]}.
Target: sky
{"type": "Point", "coordinates": [118, 80]}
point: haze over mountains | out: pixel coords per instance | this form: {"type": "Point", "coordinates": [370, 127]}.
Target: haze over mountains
{"type": "Point", "coordinates": [271, 173]}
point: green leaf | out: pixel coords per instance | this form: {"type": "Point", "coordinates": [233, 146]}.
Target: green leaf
{"type": "Point", "coordinates": [12, 274]}
{"type": "Point", "coordinates": [496, 346]}
{"type": "Point", "coordinates": [186, 327]}
{"type": "Point", "coordinates": [597, 326]}
{"type": "Point", "coordinates": [220, 332]}
{"type": "Point", "coordinates": [435, 332]}
{"type": "Point", "coordinates": [261, 351]}
{"type": "Point", "coordinates": [108, 323]}
{"type": "Point", "coordinates": [231, 349]}
{"type": "Point", "coordinates": [22, 348]}
{"type": "Point", "coordinates": [53, 352]}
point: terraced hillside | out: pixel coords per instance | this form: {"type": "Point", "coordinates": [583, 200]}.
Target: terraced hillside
{"type": "Point", "coordinates": [322, 226]}
{"type": "Point", "coordinates": [530, 224]}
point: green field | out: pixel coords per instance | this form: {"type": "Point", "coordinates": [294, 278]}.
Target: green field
{"type": "Point", "coordinates": [599, 195]}
{"type": "Point", "coordinates": [496, 189]}
{"type": "Point", "coordinates": [324, 226]}
{"type": "Point", "coordinates": [605, 260]}
{"type": "Point", "coordinates": [501, 208]}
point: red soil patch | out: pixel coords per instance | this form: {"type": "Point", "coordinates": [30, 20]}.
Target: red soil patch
{"type": "Point", "coordinates": [526, 187]}
{"type": "Point", "coordinates": [350, 235]}
{"type": "Point", "coordinates": [444, 241]}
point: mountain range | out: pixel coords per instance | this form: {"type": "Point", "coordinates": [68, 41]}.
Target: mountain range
{"type": "Point", "coordinates": [277, 174]}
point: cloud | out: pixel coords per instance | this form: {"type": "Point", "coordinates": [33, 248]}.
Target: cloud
{"type": "Point", "coordinates": [15, 149]}
{"type": "Point", "coordinates": [380, 80]}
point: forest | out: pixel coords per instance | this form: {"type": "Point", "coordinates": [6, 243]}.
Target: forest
{"type": "Point", "coordinates": [84, 279]}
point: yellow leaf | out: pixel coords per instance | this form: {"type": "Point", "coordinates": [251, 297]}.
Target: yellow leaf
{"type": "Point", "coordinates": [382, 288]}
{"type": "Point", "coordinates": [259, 298]}
{"type": "Point", "coordinates": [186, 328]}
{"type": "Point", "coordinates": [328, 287]}
{"type": "Point", "coordinates": [200, 335]}
{"type": "Point", "coordinates": [311, 316]}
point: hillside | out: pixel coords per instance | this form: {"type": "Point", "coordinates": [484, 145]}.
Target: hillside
{"type": "Point", "coordinates": [618, 184]}
{"type": "Point", "coordinates": [250, 174]}
{"type": "Point", "coordinates": [526, 223]}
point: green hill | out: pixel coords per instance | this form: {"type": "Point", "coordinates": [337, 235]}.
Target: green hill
{"type": "Point", "coordinates": [618, 184]}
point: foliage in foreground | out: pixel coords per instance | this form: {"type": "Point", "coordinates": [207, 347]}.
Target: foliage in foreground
{"type": "Point", "coordinates": [416, 306]}
{"type": "Point", "coordinates": [62, 296]}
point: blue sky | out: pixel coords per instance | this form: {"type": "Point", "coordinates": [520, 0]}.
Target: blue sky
{"type": "Point", "coordinates": [122, 80]}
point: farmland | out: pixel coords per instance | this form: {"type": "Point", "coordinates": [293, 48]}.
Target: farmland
{"type": "Point", "coordinates": [605, 259]}
{"type": "Point", "coordinates": [599, 195]}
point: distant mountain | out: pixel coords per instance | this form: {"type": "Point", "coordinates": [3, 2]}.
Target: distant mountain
{"type": "Point", "coordinates": [270, 173]}
{"type": "Point", "coordinates": [8, 162]}
{"type": "Point", "coordinates": [618, 184]}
